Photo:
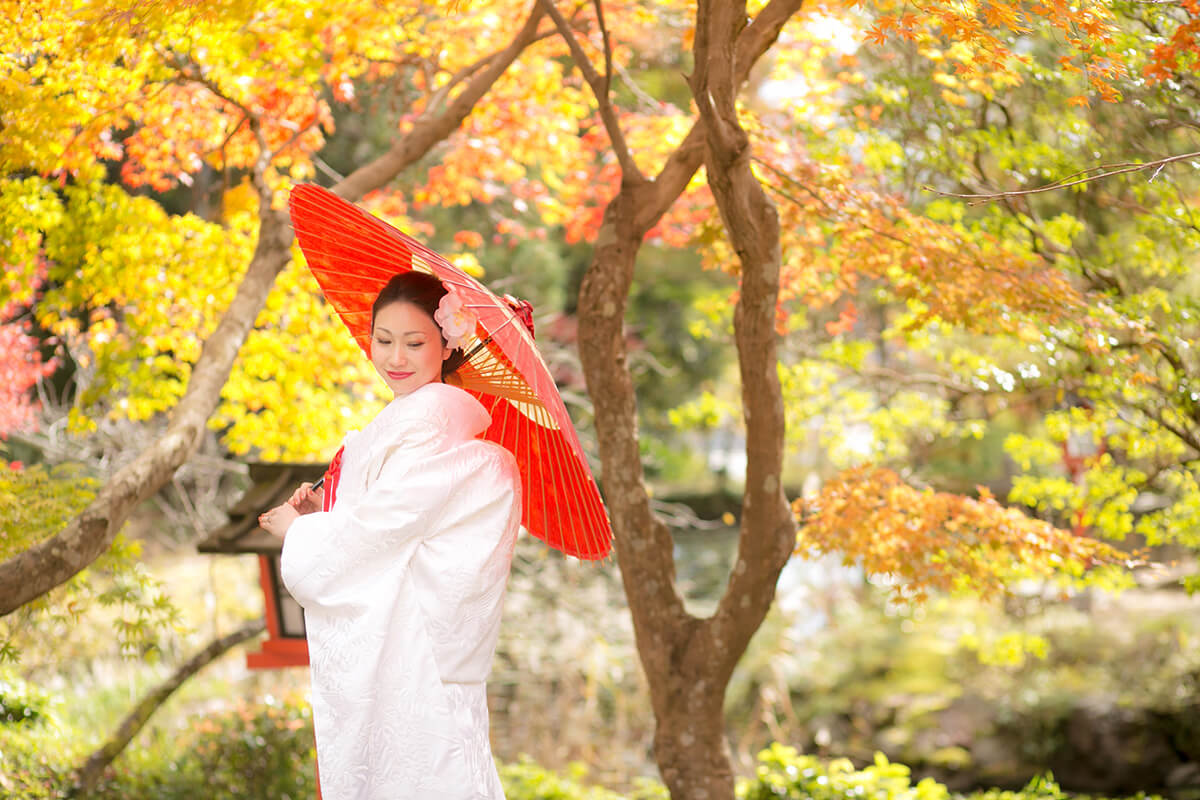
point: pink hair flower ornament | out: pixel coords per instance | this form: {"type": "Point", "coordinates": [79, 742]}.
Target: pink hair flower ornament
{"type": "Point", "coordinates": [456, 320]}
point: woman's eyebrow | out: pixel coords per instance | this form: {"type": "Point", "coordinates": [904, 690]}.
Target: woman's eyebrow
{"type": "Point", "coordinates": [381, 329]}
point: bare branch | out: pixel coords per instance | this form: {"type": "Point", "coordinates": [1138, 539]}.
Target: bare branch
{"type": "Point", "coordinates": [229, 138]}
{"type": "Point", "coordinates": [1184, 435]}
{"type": "Point", "coordinates": [1109, 170]}
{"type": "Point", "coordinates": [271, 156]}
{"type": "Point", "coordinates": [89, 773]}
{"type": "Point", "coordinates": [898, 378]}
{"type": "Point", "coordinates": [647, 102]}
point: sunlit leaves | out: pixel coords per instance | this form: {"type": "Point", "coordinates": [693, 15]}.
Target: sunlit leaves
{"type": "Point", "coordinates": [301, 381]}
{"type": "Point", "coordinates": [167, 87]}
{"type": "Point", "coordinates": [1180, 53]}
{"type": "Point", "coordinates": [130, 291]}
{"type": "Point", "coordinates": [175, 92]}
{"type": "Point", "coordinates": [840, 231]}
{"type": "Point", "coordinates": [27, 207]}
{"type": "Point", "coordinates": [536, 152]}
{"type": "Point", "coordinates": [982, 36]}
{"type": "Point", "coordinates": [936, 541]}
{"type": "Point", "coordinates": [1009, 649]}
{"type": "Point", "coordinates": [1120, 354]}
{"type": "Point", "coordinates": [501, 153]}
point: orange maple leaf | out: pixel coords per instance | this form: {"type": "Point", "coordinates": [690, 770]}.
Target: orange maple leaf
{"type": "Point", "coordinates": [845, 321]}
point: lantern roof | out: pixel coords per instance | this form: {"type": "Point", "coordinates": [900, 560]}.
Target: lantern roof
{"type": "Point", "coordinates": [271, 483]}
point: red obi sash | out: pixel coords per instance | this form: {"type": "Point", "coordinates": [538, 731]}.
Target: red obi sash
{"type": "Point", "coordinates": [331, 480]}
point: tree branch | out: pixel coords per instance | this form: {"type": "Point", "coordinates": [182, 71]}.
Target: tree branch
{"type": "Point", "coordinates": [644, 544]}
{"type": "Point", "coordinates": [600, 89]}
{"type": "Point", "coordinates": [608, 60]}
{"type": "Point", "coordinates": [442, 93]}
{"type": "Point", "coordinates": [163, 85]}
{"type": "Point", "coordinates": [682, 164]}
{"type": "Point", "coordinates": [89, 773]}
{"type": "Point", "coordinates": [1159, 418]}
{"type": "Point", "coordinates": [666, 634]}
{"type": "Point", "coordinates": [431, 129]}
{"type": "Point", "coordinates": [296, 134]}
{"type": "Point", "coordinates": [1109, 171]}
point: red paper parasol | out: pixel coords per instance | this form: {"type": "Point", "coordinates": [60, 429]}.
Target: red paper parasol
{"type": "Point", "coordinates": [353, 254]}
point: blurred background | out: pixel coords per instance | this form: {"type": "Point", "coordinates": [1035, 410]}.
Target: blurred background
{"type": "Point", "coordinates": [976, 392]}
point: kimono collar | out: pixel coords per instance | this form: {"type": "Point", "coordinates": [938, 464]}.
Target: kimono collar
{"type": "Point", "coordinates": [458, 415]}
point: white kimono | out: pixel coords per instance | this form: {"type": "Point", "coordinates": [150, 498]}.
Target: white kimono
{"type": "Point", "coordinates": [402, 584]}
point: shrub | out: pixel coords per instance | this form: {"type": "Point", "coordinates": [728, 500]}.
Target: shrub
{"type": "Point", "coordinates": [21, 702]}
{"type": "Point", "coordinates": [1042, 787]}
{"type": "Point", "coordinates": [28, 769]}
{"type": "Point", "coordinates": [783, 773]}
{"type": "Point", "coordinates": [263, 750]}
{"type": "Point", "coordinates": [526, 780]}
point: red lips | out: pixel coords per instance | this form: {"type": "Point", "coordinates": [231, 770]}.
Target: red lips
{"type": "Point", "coordinates": [399, 376]}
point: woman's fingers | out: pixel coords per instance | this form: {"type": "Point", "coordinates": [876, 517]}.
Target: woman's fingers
{"type": "Point", "coordinates": [301, 495]}
{"type": "Point", "coordinates": [305, 500]}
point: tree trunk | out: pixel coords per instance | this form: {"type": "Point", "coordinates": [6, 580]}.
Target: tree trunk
{"type": "Point", "coordinates": [86, 776]}
{"type": "Point", "coordinates": [768, 527]}
{"type": "Point", "coordinates": [688, 661]}
{"type": "Point", "coordinates": [47, 565]}
{"type": "Point", "coordinates": [690, 745]}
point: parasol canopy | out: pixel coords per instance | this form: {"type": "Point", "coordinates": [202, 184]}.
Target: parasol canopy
{"type": "Point", "coordinates": [353, 254]}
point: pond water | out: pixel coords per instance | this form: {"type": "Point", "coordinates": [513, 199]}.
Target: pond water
{"type": "Point", "coordinates": [704, 558]}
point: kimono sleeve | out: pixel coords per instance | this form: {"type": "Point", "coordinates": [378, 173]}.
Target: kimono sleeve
{"type": "Point", "coordinates": [330, 556]}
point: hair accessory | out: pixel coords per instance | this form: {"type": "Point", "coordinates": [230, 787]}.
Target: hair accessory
{"type": "Point", "coordinates": [456, 321]}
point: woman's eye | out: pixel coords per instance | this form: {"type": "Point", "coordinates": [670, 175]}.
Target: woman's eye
{"type": "Point", "coordinates": [381, 341]}
{"type": "Point", "coordinates": [415, 345]}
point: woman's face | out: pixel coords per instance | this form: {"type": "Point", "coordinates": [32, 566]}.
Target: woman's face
{"type": "Point", "coordinates": [406, 347]}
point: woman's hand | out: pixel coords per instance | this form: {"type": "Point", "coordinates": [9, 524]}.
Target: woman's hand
{"type": "Point", "coordinates": [277, 521]}
{"type": "Point", "coordinates": [305, 500]}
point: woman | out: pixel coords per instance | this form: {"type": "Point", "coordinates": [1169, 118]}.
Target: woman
{"type": "Point", "coordinates": [403, 579]}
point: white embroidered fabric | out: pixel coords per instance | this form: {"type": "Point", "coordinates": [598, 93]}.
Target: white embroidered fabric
{"type": "Point", "coordinates": [402, 584]}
